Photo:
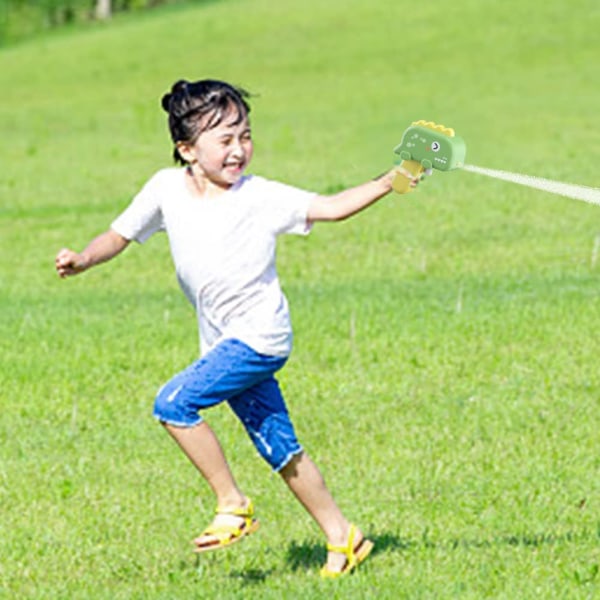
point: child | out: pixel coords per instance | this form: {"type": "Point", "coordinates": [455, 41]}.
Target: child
{"type": "Point", "coordinates": [222, 227]}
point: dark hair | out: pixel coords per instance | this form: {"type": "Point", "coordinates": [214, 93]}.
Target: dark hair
{"type": "Point", "coordinates": [188, 102]}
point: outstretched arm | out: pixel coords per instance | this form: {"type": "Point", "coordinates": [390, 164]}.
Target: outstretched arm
{"type": "Point", "coordinates": [351, 201]}
{"type": "Point", "coordinates": [106, 246]}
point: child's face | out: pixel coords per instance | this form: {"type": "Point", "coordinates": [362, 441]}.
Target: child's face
{"type": "Point", "coordinates": [222, 152]}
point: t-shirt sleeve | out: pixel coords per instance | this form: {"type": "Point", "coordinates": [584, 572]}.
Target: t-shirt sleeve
{"type": "Point", "coordinates": [143, 217]}
{"type": "Point", "coordinates": [286, 207]}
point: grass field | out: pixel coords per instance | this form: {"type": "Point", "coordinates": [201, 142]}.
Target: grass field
{"type": "Point", "coordinates": [446, 369]}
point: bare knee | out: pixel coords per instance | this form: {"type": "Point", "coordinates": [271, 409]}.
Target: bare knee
{"type": "Point", "coordinates": [290, 470]}
{"type": "Point", "coordinates": [302, 470]}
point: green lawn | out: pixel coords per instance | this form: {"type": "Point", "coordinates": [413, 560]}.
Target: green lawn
{"type": "Point", "coordinates": [446, 369]}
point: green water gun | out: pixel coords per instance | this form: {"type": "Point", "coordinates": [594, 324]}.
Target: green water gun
{"type": "Point", "coordinates": [426, 145]}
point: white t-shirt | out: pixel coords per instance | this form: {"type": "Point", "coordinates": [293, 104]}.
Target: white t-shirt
{"type": "Point", "coordinates": [224, 252]}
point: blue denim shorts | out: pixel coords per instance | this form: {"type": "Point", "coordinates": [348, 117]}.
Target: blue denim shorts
{"type": "Point", "coordinates": [234, 372]}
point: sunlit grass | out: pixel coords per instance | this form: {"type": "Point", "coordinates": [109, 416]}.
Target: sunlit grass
{"type": "Point", "coordinates": [445, 374]}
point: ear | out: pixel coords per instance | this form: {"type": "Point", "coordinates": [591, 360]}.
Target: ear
{"type": "Point", "coordinates": [185, 151]}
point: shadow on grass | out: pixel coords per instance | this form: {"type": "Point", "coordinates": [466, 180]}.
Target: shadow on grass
{"type": "Point", "coordinates": [309, 555]}
{"type": "Point", "coordinates": [252, 576]}
{"type": "Point", "coordinates": [247, 577]}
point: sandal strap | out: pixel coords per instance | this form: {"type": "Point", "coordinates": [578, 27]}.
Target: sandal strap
{"type": "Point", "coordinates": [354, 553]}
{"type": "Point", "coordinates": [245, 513]}
{"type": "Point", "coordinates": [348, 549]}
{"type": "Point", "coordinates": [223, 531]}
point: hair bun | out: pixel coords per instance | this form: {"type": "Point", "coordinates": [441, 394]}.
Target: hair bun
{"type": "Point", "coordinates": [180, 88]}
{"type": "Point", "coordinates": [166, 101]}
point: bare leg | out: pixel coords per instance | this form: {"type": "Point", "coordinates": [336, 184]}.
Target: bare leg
{"type": "Point", "coordinates": [202, 447]}
{"type": "Point", "coordinates": [305, 480]}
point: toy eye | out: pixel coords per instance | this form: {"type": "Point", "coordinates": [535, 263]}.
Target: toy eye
{"type": "Point", "coordinates": [435, 146]}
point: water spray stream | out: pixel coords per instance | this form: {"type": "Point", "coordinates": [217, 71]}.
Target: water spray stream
{"type": "Point", "coordinates": [427, 145]}
{"type": "Point", "coordinates": [577, 192]}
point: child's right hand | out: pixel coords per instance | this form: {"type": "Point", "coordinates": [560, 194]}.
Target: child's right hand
{"type": "Point", "coordinates": [69, 263]}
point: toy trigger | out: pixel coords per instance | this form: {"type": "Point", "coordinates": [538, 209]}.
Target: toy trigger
{"type": "Point", "coordinates": [405, 174]}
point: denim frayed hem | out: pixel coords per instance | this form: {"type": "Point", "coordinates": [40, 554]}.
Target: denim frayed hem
{"type": "Point", "coordinates": [174, 423]}
{"type": "Point", "coordinates": [284, 463]}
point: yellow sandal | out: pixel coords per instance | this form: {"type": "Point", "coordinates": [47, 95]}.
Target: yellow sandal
{"type": "Point", "coordinates": [226, 535]}
{"type": "Point", "coordinates": [355, 554]}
